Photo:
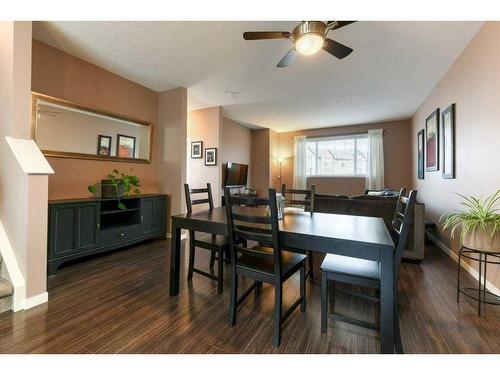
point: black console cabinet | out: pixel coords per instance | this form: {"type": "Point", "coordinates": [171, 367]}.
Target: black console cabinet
{"type": "Point", "coordinates": [81, 227]}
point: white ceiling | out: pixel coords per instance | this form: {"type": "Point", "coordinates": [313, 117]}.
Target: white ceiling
{"type": "Point", "coordinates": [394, 66]}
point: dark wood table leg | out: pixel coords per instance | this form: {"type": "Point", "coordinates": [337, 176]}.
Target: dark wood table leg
{"type": "Point", "coordinates": [387, 302]}
{"type": "Point", "coordinates": [175, 259]}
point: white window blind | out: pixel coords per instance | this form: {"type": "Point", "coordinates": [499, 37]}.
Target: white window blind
{"type": "Point", "coordinates": [345, 155]}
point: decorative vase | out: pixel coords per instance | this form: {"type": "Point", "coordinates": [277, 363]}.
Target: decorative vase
{"type": "Point", "coordinates": [280, 202]}
{"type": "Point", "coordinates": [482, 240]}
{"type": "Point", "coordinates": [110, 190]}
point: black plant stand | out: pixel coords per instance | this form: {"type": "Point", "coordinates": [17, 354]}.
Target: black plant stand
{"type": "Point", "coordinates": [480, 294]}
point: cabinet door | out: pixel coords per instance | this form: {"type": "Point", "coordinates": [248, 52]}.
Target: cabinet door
{"type": "Point", "coordinates": [153, 212]}
{"type": "Point", "coordinates": [88, 218]}
{"type": "Point", "coordinates": [159, 215]}
{"type": "Point", "coordinates": [73, 228]}
{"type": "Point", "coordinates": [62, 231]}
{"type": "Point", "coordinates": [147, 216]}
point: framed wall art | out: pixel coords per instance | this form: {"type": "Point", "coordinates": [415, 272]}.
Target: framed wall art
{"type": "Point", "coordinates": [210, 156]}
{"type": "Point", "coordinates": [432, 142]}
{"type": "Point", "coordinates": [196, 150]}
{"type": "Point", "coordinates": [125, 146]}
{"type": "Point", "coordinates": [448, 131]}
{"type": "Point", "coordinates": [103, 145]}
{"type": "Point", "coordinates": [420, 154]}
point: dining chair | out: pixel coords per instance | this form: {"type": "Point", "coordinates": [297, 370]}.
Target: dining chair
{"type": "Point", "coordinates": [211, 242]}
{"type": "Point", "coordinates": [366, 273]}
{"type": "Point", "coordinates": [308, 203]}
{"type": "Point", "coordinates": [263, 263]}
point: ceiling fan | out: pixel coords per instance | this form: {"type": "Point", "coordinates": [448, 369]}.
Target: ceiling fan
{"type": "Point", "coordinates": [308, 38]}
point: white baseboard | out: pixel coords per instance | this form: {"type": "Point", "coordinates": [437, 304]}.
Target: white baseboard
{"type": "Point", "coordinates": [18, 298]}
{"type": "Point", "coordinates": [492, 288]}
{"type": "Point", "coordinates": [36, 300]}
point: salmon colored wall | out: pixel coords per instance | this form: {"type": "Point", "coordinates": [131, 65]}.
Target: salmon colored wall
{"type": "Point", "coordinates": [473, 83]}
{"type": "Point", "coordinates": [260, 150]}
{"type": "Point", "coordinates": [236, 146]}
{"type": "Point", "coordinates": [233, 143]}
{"type": "Point", "coordinates": [205, 125]}
{"type": "Point", "coordinates": [61, 75]}
{"type": "Point", "coordinates": [171, 148]}
{"type": "Point", "coordinates": [274, 164]}
{"type": "Point", "coordinates": [397, 157]}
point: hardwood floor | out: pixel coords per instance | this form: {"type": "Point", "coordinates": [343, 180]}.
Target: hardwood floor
{"type": "Point", "coordinates": [119, 303]}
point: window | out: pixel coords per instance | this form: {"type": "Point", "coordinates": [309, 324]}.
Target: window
{"type": "Point", "coordinates": [337, 156]}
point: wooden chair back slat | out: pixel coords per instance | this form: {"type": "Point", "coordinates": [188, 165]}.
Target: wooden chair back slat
{"type": "Point", "coordinates": [254, 252]}
{"type": "Point", "coordinates": [307, 202]}
{"type": "Point", "coordinates": [251, 218]}
{"type": "Point", "coordinates": [252, 224]}
{"type": "Point", "coordinates": [397, 221]}
{"type": "Point", "coordinates": [198, 191]}
{"type": "Point", "coordinates": [193, 202]}
{"type": "Point", "coordinates": [249, 201]}
{"type": "Point", "coordinates": [294, 191]}
{"type": "Point", "coordinates": [297, 202]}
{"type": "Point", "coordinates": [401, 226]}
{"type": "Point", "coordinates": [253, 236]}
{"type": "Point", "coordinates": [200, 201]}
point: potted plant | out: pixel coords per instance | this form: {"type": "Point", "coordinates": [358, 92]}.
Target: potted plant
{"type": "Point", "coordinates": [480, 223]}
{"type": "Point", "coordinates": [117, 185]}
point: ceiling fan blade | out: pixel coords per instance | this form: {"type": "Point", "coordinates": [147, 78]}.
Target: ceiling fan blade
{"type": "Point", "coordinates": [336, 49]}
{"type": "Point", "coordinates": [287, 59]}
{"type": "Point", "coordinates": [339, 24]}
{"type": "Point", "coordinates": [256, 35]}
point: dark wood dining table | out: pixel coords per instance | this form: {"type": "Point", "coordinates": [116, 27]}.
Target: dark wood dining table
{"type": "Point", "coordinates": [355, 236]}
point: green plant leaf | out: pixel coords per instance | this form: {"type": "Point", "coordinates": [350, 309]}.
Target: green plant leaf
{"type": "Point", "coordinates": [121, 206]}
{"type": "Point", "coordinates": [117, 178]}
{"type": "Point", "coordinates": [479, 215]}
{"type": "Point", "coordinates": [92, 189]}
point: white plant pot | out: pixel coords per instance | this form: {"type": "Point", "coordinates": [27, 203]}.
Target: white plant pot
{"type": "Point", "coordinates": [482, 240]}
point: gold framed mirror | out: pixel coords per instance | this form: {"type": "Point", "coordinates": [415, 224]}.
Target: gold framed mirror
{"type": "Point", "coordinates": [63, 129]}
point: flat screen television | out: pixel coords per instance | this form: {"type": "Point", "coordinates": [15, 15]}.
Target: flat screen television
{"type": "Point", "coordinates": [235, 174]}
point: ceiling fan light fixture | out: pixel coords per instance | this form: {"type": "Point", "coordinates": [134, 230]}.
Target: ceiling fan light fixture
{"type": "Point", "coordinates": [310, 43]}
{"type": "Point", "coordinates": [308, 37]}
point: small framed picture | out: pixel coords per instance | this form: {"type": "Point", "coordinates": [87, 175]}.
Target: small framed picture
{"type": "Point", "coordinates": [196, 150]}
{"type": "Point", "coordinates": [432, 141]}
{"type": "Point", "coordinates": [448, 131]}
{"type": "Point", "coordinates": [210, 156]}
{"type": "Point", "coordinates": [103, 145]}
{"type": "Point", "coordinates": [125, 146]}
{"type": "Point", "coordinates": [420, 154]}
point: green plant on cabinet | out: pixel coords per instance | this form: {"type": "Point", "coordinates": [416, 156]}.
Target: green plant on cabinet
{"type": "Point", "coordinates": [118, 182]}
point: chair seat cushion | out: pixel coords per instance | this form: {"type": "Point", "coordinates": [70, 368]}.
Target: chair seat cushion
{"type": "Point", "coordinates": [290, 262]}
{"type": "Point", "coordinates": [368, 269]}
{"type": "Point", "coordinates": [211, 239]}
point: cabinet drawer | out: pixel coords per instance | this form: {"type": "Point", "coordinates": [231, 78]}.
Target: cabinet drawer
{"type": "Point", "coordinates": [117, 235]}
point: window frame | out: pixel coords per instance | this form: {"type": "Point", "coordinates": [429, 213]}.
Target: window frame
{"type": "Point", "coordinates": [336, 138]}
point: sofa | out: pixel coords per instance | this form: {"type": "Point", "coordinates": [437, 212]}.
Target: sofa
{"type": "Point", "coordinates": [375, 206]}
